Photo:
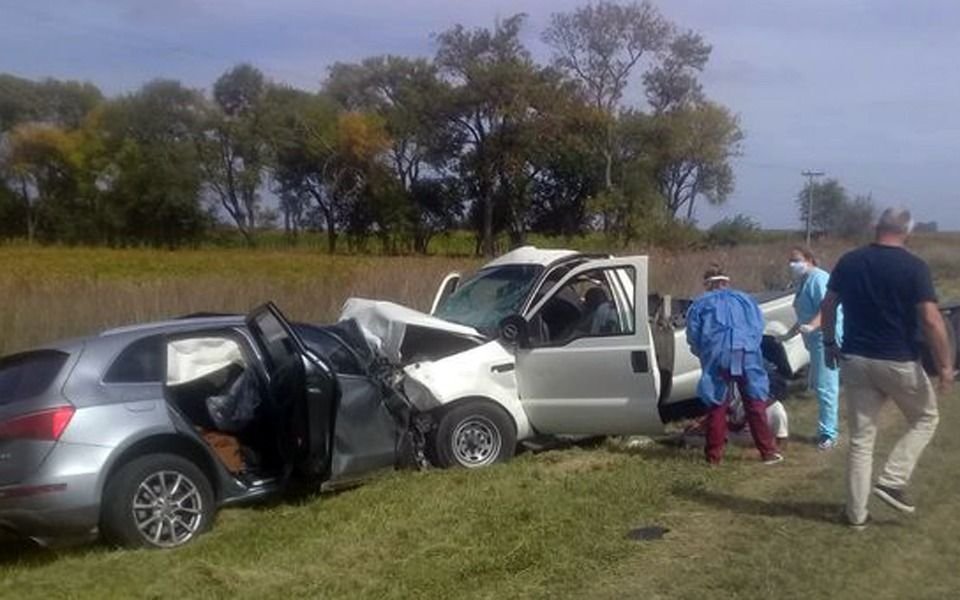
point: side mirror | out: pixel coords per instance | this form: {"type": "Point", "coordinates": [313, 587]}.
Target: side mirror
{"type": "Point", "coordinates": [515, 331]}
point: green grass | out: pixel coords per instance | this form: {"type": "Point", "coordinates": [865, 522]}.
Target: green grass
{"type": "Point", "coordinates": [553, 525]}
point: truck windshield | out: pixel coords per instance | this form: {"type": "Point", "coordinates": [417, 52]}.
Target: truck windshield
{"type": "Point", "coordinates": [489, 296]}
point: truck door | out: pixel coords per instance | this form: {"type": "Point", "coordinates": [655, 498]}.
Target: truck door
{"type": "Point", "coordinates": [589, 366]}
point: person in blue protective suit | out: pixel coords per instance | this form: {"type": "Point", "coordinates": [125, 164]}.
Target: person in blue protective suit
{"type": "Point", "coordinates": [725, 330]}
{"type": "Point", "coordinates": [825, 381]}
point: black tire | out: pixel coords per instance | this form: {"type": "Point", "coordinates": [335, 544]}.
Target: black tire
{"type": "Point", "coordinates": [174, 517]}
{"type": "Point", "coordinates": [473, 434]}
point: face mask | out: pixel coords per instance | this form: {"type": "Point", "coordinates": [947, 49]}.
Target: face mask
{"type": "Point", "coordinates": [798, 268]}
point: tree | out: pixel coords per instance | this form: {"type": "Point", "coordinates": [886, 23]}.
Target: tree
{"type": "Point", "coordinates": [691, 148]}
{"type": "Point", "coordinates": [855, 219]}
{"type": "Point", "coordinates": [833, 211]}
{"type": "Point", "coordinates": [497, 97]}
{"type": "Point", "coordinates": [570, 173]}
{"type": "Point", "coordinates": [601, 45]}
{"type": "Point", "coordinates": [324, 153]}
{"type": "Point", "coordinates": [156, 183]}
{"type": "Point", "coordinates": [407, 94]}
{"type": "Point", "coordinates": [829, 199]}
{"type": "Point", "coordinates": [673, 83]}
{"type": "Point", "coordinates": [732, 231]}
{"type": "Point", "coordinates": [232, 146]}
{"type": "Point", "coordinates": [38, 162]}
{"type": "Point", "coordinates": [61, 103]}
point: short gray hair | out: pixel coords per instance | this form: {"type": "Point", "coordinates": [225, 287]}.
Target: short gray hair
{"type": "Point", "coordinates": [897, 221]}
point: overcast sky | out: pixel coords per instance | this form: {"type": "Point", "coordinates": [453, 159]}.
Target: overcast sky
{"type": "Point", "coordinates": [865, 90]}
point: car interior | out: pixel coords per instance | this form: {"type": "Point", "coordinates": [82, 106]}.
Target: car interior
{"type": "Point", "coordinates": [210, 382]}
{"type": "Point", "coordinates": [583, 307]}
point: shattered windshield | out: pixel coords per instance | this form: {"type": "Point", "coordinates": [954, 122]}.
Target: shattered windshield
{"type": "Point", "coordinates": [489, 296]}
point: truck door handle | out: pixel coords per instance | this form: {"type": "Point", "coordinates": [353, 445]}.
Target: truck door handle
{"type": "Point", "coordinates": [639, 361]}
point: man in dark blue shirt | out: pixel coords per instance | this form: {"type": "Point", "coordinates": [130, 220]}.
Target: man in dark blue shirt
{"type": "Point", "coordinates": [887, 296]}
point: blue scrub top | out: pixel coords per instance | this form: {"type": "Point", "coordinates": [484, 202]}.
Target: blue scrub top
{"type": "Point", "coordinates": [725, 331]}
{"type": "Point", "coordinates": [807, 302]}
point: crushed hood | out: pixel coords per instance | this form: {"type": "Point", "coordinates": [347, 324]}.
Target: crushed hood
{"type": "Point", "coordinates": [405, 335]}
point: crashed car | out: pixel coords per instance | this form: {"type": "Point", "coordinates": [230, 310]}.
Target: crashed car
{"type": "Point", "coordinates": [143, 432]}
{"type": "Point", "coordinates": [547, 343]}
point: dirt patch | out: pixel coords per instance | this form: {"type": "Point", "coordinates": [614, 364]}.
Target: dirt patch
{"type": "Point", "coordinates": [576, 461]}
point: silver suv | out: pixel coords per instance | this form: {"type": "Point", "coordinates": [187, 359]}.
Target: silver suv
{"type": "Point", "coordinates": [143, 432]}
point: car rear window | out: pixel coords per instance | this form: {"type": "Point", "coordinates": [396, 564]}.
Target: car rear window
{"type": "Point", "coordinates": [29, 374]}
{"type": "Point", "coordinates": [140, 362]}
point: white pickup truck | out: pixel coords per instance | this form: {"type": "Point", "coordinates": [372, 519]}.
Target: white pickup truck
{"type": "Point", "coordinates": [550, 342]}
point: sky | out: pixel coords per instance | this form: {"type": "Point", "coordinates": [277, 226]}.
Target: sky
{"type": "Point", "coordinates": [866, 91]}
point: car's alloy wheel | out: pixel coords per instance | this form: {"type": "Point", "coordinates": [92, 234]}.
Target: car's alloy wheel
{"type": "Point", "coordinates": [168, 509]}
{"type": "Point", "coordinates": [476, 442]}
{"type": "Point", "coordinates": [156, 500]}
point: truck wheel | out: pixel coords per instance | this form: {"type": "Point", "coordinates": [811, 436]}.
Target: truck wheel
{"type": "Point", "coordinates": [156, 501]}
{"type": "Point", "coordinates": [474, 434]}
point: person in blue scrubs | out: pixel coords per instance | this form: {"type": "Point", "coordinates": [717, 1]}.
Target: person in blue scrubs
{"type": "Point", "coordinates": [811, 283]}
{"type": "Point", "coordinates": [725, 331]}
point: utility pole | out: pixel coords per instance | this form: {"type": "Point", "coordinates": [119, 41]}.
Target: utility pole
{"type": "Point", "coordinates": [810, 175]}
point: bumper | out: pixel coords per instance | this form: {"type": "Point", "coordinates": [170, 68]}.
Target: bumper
{"type": "Point", "coordinates": [61, 499]}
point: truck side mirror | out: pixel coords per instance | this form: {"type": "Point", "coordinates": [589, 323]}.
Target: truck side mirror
{"type": "Point", "coordinates": [515, 331]}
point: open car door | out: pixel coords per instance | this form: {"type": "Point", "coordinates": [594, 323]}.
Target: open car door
{"type": "Point", "coordinates": [589, 365]}
{"type": "Point", "coordinates": [447, 287]}
{"type": "Point", "coordinates": [303, 393]}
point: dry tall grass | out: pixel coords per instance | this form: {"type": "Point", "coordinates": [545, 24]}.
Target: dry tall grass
{"type": "Point", "coordinates": [53, 293]}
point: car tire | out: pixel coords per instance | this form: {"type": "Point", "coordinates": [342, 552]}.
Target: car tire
{"type": "Point", "coordinates": [156, 501]}
{"type": "Point", "coordinates": [473, 434]}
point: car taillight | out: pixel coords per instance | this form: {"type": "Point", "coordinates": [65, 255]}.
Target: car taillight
{"type": "Point", "coordinates": [44, 425]}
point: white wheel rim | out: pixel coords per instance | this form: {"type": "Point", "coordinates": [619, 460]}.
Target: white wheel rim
{"type": "Point", "coordinates": [167, 509]}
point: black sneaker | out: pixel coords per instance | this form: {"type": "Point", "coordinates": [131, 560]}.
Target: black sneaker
{"type": "Point", "coordinates": [895, 498]}
{"type": "Point", "coordinates": [845, 519]}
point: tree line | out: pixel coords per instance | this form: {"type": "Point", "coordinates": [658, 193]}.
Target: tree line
{"type": "Point", "coordinates": [397, 149]}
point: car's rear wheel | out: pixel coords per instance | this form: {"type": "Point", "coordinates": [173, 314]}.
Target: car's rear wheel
{"type": "Point", "coordinates": [158, 501]}
{"type": "Point", "coordinates": [474, 434]}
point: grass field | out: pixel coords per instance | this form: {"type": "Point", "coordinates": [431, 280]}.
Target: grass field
{"type": "Point", "coordinates": [554, 525]}
{"type": "Point", "coordinates": [546, 525]}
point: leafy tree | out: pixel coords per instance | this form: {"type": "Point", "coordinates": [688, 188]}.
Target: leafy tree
{"type": "Point", "coordinates": [407, 94]}
{"type": "Point", "coordinates": [570, 173]}
{"type": "Point", "coordinates": [855, 219]}
{"type": "Point", "coordinates": [499, 101]}
{"type": "Point", "coordinates": [834, 213]}
{"type": "Point", "coordinates": [156, 184]}
{"type": "Point", "coordinates": [233, 148]}
{"type": "Point", "coordinates": [732, 231]}
{"type": "Point", "coordinates": [691, 148]}
{"type": "Point", "coordinates": [39, 164]}
{"type": "Point", "coordinates": [18, 101]}
{"type": "Point", "coordinates": [62, 103]}
{"type": "Point", "coordinates": [601, 45]}
{"type": "Point", "coordinates": [673, 82]}
{"type": "Point", "coordinates": [829, 198]}
{"type": "Point", "coordinates": [325, 154]}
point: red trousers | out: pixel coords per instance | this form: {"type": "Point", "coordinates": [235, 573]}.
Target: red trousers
{"type": "Point", "coordinates": [756, 411]}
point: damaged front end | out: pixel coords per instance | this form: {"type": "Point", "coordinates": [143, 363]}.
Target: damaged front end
{"type": "Point", "coordinates": [376, 426]}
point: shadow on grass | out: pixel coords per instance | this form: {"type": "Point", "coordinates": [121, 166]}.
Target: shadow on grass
{"type": "Point", "coordinates": [824, 512]}
{"type": "Point", "coordinates": [27, 553]}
